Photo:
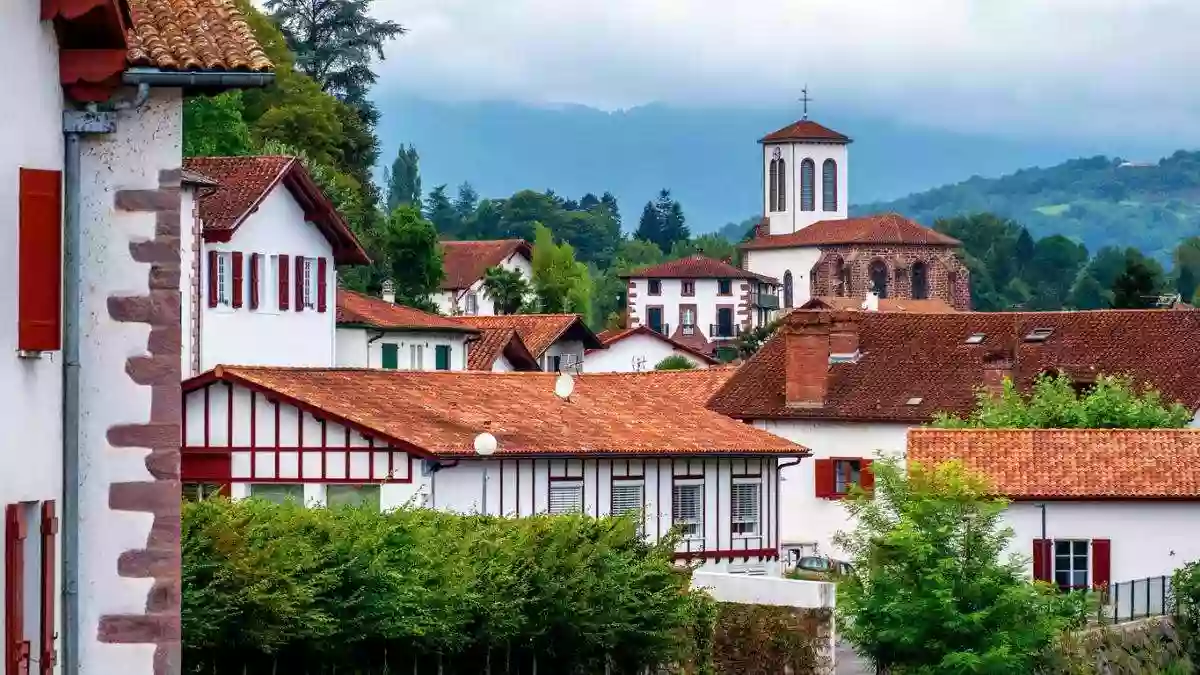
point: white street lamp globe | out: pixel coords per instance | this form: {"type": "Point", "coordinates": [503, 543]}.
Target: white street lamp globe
{"type": "Point", "coordinates": [485, 444]}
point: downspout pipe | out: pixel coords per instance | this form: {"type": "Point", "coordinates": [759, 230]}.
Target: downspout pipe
{"type": "Point", "coordinates": [76, 124]}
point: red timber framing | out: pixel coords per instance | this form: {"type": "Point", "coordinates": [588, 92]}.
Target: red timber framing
{"type": "Point", "coordinates": [239, 434]}
{"type": "Point", "coordinates": [92, 45]}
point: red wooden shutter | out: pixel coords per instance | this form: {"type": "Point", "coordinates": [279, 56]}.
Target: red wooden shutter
{"type": "Point", "coordinates": [39, 263]}
{"type": "Point", "coordinates": [1101, 562]}
{"type": "Point", "coordinates": [284, 292]}
{"type": "Point", "coordinates": [49, 588]}
{"type": "Point", "coordinates": [237, 279]}
{"type": "Point", "coordinates": [254, 263]}
{"type": "Point", "coordinates": [212, 278]}
{"type": "Point", "coordinates": [300, 283]}
{"type": "Point", "coordinates": [16, 647]}
{"type": "Point", "coordinates": [824, 474]}
{"type": "Point", "coordinates": [866, 477]}
{"type": "Point", "coordinates": [1041, 560]}
{"type": "Point", "coordinates": [321, 272]}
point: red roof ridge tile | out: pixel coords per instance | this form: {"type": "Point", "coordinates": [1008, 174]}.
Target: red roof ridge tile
{"type": "Point", "coordinates": [879, 228]}
{"type": "Point", "coordinates": [361, 309]}
{"type": "Point", "coordinates": [465, 261]}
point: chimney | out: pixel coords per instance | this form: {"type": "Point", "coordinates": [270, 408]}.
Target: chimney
{"type": "Point", "coordinates": [997, 367]}
{"type": "Point", "coordinates": [806, 366]}
{"type": "Point", "coordinates": [843, 338]}
{"type": "Point", "coordinates": [389, 292]}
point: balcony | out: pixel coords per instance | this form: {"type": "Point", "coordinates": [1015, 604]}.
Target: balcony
{"type": "Point", "coordinates": [719, 331]}
{"type": "Point", "coordinates": [661, 329]}
{"type": "Point", "coordinates": [764, 300]}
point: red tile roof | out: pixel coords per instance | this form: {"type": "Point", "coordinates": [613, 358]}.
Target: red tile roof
{"type": "Point", "coordinates": [927, 306]}
{"type": "Point", "coordinates": [805, 130]}
{"type": "Point", "coordinates": [887, 228]}
{"type": "Point", "coordinates": [465, 262]}
{"type": "Point", "coordinates": [1071, 463]}
{"type": "Point", "coordinates": [610, 338]}
{"type": "Point", "coordinates": [926, 358]}
{"type": "Point", "coordinates": [441, 413]}
{"type": "Point", "coordinates": [362, 310]}
{"type": "Point", "coordinates": [207, 35]}
{"type": "Point", "coordinates": [483, 353]}
{"type": "Point", "coordinates": [245, 181]}
{"type": "Point", "coordinates": [696, 267]}
{"type": "Point", "coordinates": [538, 331]}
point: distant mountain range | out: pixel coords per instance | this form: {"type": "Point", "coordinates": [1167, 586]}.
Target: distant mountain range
{"type": "Point", "coordinates": [710, 160]}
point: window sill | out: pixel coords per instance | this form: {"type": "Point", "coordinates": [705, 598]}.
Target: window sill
{"type": "Point", "coordinates": [747, 536]}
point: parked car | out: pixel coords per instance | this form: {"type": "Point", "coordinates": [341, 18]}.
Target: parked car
{"type": "Point", "coordinates": [823, 565]}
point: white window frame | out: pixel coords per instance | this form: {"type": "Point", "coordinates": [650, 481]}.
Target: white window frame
{"type": "Point", "coordinates": [224, 280]}
{"type": "Point", "coordinates": [688, 319]}
{"type": "Point", "coordinates": [309, 293]}
{"type": "Point", "coordinates": [573, 485]}
{"type": "Point", "coordinates": [677, 520]}
{"type": "Point", "coordinates": [1073, 558]}
{"type": "Point", "coordinates": [840, 486]}
{"type": "Point", "coordinates": [629, 483]}
{"type": "Point", "coordinates": [756, 523]}
{"type": "Point", "coordinates": [471, 304]}
{"type": "Point", "coordinates": [268, 284]}
{"type": "Point", "coordinates": [416, 357]}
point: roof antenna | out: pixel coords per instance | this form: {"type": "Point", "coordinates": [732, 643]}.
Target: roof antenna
{"type": "Point", "coordinates": [804, 98]}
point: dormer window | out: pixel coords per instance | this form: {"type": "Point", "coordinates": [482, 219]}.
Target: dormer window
{"type": "Point", "coordinates": [1039, 334]}
{"type": "Point", "coordinates": [976, 338]}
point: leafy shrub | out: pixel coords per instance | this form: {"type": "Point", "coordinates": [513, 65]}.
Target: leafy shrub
{"type": "Point", "coordinates": [1185, 601]}
{"type": "Point", "coordinates": [675, 362]}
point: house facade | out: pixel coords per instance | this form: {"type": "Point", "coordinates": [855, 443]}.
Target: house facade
{"type": "Point", "coordinates": [465, 264]}
{"type": "Point", "coordinates": [808, 242]}
{"type": "Point", "coordinates": [618, 443]}
{"type": "Point", "coordinates": [638, 349]}
{"type": "Point", "coordinates": [267, 243]}
{"type": "Point", "coordinates": [92, 202]}
{"type": "Point", "coordinates": [557, 342]}
{"type": "Point", "coordinates": [699, 301]}
{"type": "Point", "coordinates": [1089, 507]}
{"type": "Point", "coordinates": [378, 333]}
{"type": "Point", "coordinates": [850, 384]}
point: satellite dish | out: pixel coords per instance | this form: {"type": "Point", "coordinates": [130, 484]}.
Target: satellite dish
{"type": "Point", "coordinates": [564, 385]}
{"type": "Point", "coordinates": [485, 444]}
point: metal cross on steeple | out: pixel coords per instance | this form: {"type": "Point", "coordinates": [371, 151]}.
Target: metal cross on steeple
{"type": "Point", "coordinates": [804, 98]}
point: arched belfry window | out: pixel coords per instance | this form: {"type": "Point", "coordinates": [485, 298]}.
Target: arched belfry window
{"type": "Point", "coordinates": [879, 278]}
{"type": "Point", "coordinates": [841, 278]}
{"type": "Point", "coordinates": [777, 184]}
{"type": "Point", "coordinates": [829, 187]}
{"type": "Point", "coordinates": [920, 281]}
{"type": "Point", "coordinates": [781, 205]}
{"type": "Point", "coordinates": [808, 171]}
{"type": "Point", "coordinates": [787, 289]}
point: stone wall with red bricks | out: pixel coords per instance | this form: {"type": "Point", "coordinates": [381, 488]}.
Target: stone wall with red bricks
{"type": "Point", "coordinates": [946, 275]}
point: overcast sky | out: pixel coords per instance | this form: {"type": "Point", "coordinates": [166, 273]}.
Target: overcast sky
{"type": "Point", "coordinates": [1026, 67]}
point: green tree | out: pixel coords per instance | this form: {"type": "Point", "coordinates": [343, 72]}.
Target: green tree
{"type": "Point", "coordinates": [441, 212]}
{"type": "Point", "coordinates": [412, 257]}
{"type": "Point", "coordinates": [1052, 270]}
{"type": "Point", "coordinates": [335, 42]}
{"type": "Point", "coordinates": [1088, 293]}
{"type": "Point", "coordinates": [933, 592]}
{"type": "Point", "coordinates": [1187, 267]}
{"type": "Point", "coordinates": [675, 362]}
{"type": "Point", "coordinates": [560, 283]}
{"type": "Point", "coordinates": [650, 226]}
{"type": "Point", "coordinates": [215, 126]}
{"type": "Point", "coordinates": [507, 288]}
{"type": "Point", "coordinates": [674, 226]}
{"type": "Point", "coordinates": [1139, 284]}
{"type": "Point", "coordinates": [404, 178]}
{"type": "Point", "coordinates": [711, 245]}
{"type": "Point", "coordinates": [466, 202]}
{"type": "Point", "coordinates": [1054, 403]}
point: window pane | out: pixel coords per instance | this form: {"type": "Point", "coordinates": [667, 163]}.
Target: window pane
{"type": "Point", "coordinates": [566, 497]}
{"type": "Point", "coordinates": [1062, 548]}
{"type": "Point", "coordinates": [1062, 578]}
{"type": "Point", "coordinates": [626, 497]}
{"type": "Point", "coordinates": [687, 509]}
{"type": "Point", "coordinates": [744, 504]}
{"type": "Point", "coordinates": [278, 493]}
{"type": "Point", "coordinates": [1079, 579]}
{"type": "Point", "coordinates": [352, 495]}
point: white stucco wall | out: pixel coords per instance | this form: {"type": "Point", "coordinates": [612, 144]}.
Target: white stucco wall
{"type": "Point", "coordinates": [778, 262]}
{"type": "Point", "coordinates": [452, 303]}
{"type": "Point", "coordinates": [671, 297]}
{"type": "Point", "coordinates": [792, 218]}
{"type": "Point", "coordinates": [624, 356]}
{"type": "Point", "coordinates": [146, 142]}
{"type": "Point", "coordinates": [804, 518]}
{"type": "Point", "coordinates": [358, 348]}
{"type": "Point", "coordinates": [30, 388]}
{"type": "Point", "coordinates": [268, 336]}
{"type": "Point", "coordinates": [502, 365]}
{"type": "Point", "coordinates": [560, 348]}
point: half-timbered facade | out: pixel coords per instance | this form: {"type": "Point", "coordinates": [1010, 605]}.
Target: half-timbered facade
{"type": "Point", "coordinates": [620, 443]}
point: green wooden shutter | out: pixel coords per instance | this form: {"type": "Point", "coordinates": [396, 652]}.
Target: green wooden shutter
{"type": "Point", "coordinates": [442, 357]}
{"type": "Point", "coordinates": [391, 359]}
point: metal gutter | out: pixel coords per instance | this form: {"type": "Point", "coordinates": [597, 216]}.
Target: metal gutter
{"type": "Point", "coordinates": [196, 78]}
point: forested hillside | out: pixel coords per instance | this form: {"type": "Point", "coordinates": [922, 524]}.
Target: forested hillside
{"type": "Point", "coordinates": [1099, 201]}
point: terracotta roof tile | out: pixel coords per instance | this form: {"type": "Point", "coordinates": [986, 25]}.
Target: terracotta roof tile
{"type": "Point", "coordinates": [363, 310]}
{"type": "Point", "coordinates": [538, 331]}
{"type": "Point", "coordinates": [442, 412]}
{"type": "Point", "coordinates": [926, 357]}
{"type": "Point", "coordinates": [483, 353]}
{"type": "Point", "coordinates": [1071, 463]}
{"type": "Point", "coordinates": [805, 130]}
{"type": "Point", "coordinates": [610, 337]}
{"type": "Point", "coordinates": [206, 35]}
{"type": "Point", "coordinates": [928, 306]}
{"type": "Point", "coordinates": [243, 182]}
{"type": "Point", "coordinates": [465, 262]}
{"type": "Point", "coordinates": [696, 267]}
{"type": "Point", "coordinates": [886, 228]}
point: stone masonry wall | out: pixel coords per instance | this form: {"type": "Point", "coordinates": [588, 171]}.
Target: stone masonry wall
{"type": "Point", "coordinates": [947, 276]}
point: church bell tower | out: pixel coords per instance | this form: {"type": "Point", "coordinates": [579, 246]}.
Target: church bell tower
{"type": "Point", "coordinates": [805, 175]}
